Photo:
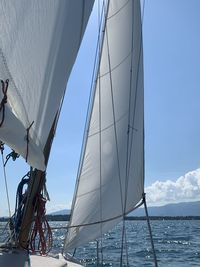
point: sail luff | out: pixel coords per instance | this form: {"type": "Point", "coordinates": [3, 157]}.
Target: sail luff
{"type": "Point", "coordinates": [100, 40]}
{"type": "Point", "coordinates": [105, 153]}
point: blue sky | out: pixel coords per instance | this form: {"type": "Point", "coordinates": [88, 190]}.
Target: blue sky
{"type": "Point", "coordinates": [172, 93]}
{"type": "Point", "coordinates": [172, 76]}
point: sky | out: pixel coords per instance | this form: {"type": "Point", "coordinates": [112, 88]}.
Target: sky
{"type": "Point", "coordinates": [171, 44]}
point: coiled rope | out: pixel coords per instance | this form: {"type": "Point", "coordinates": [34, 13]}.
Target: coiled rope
{"type": "Point", "coordinates": [41, 237]}
{"type": "Point", "coordinates": [20, 201]}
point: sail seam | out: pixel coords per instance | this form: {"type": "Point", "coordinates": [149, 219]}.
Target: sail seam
{"type": "Point", "coordinates": [113, 15]}
{"type": "Point", "coordinates": [106, 220]}
{"type": "Point", "coordinates": [109, 126]}
{"type": "Point", "coordinates": [92, 191]}
{"type": "Point", "coordinates": [116, 66]}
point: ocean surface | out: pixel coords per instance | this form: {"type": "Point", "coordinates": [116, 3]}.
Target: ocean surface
{"type": "Point", "coordinates": [177, 244]}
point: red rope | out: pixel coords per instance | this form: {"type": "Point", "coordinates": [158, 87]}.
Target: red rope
{"type": "Point", "coordinates": [41, 236]}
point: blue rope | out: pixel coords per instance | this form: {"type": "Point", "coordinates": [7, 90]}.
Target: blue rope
{"type": "Point", "coordinates": [20, 200]}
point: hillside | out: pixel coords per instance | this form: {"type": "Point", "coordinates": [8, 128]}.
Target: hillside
{"type": "Point", "coordinates": [176, 209]}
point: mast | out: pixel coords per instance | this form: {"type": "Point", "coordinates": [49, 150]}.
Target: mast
{"type": "Point", "coordinates": [37, 181]}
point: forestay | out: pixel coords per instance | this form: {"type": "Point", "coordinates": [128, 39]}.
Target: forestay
{"type": "Point", "coordinates": [110, 182]}
{"type": "Point", "coordinates": [39, 42]}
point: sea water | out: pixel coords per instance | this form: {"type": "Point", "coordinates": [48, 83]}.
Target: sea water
{"type": "Point", "coordinates": [177, 244]}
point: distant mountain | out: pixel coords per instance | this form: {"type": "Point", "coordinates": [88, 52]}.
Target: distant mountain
{"type": "Point", "coordinates": [61, 212]}
{"type": "Point", "coordinates": [176, 209]}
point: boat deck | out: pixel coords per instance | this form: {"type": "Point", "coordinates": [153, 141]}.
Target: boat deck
{"type": "Point", "coordinates": [21, 258]}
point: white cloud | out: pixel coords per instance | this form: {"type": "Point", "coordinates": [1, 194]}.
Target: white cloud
{"type": "Point", "coordinates": [185, 188]}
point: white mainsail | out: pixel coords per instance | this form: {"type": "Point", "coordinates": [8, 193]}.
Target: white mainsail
{"type": "Point", "coordinates": [39, 41]}
{"type": "Point", "coordinates": [111, 178]}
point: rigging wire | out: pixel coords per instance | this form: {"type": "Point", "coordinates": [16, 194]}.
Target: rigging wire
{"type": "Point", "coordinates": [127, 146]}
{"type": "Point", "coordinates": [144, 195]}
{"type": "Point", "coordinates": [85, 139]}
{"type": "Point", "coordinates": [117, 149]}
{"type": "Point", "coordinates": [89, 108]}
{"type": "Point", "coordinates": [131, 124]}
{"type": "Point", "coordinates": [100, 132]}
{"type": "Point", "coordinates": [7, 193]}
{"type": "Point", "coordinates": [113, 113]}
{"type": "Point", "coordinates": [150, 232]}
{"type": "Point", "coordinates": [144, 198]}
{"type": "Point", "coordinates": [5, 178]}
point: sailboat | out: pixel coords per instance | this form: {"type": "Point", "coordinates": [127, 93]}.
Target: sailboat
{"type": "Point", "coordinates": [38, 47]}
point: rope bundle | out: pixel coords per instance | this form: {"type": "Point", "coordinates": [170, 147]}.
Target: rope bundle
{"type": "Point", "coordinates": [41, 236]}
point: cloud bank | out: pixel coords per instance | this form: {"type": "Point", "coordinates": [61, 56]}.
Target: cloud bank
{"type": "Point", "coordinates": [185, 188]}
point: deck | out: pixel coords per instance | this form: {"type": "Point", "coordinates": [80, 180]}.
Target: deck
{"type": "Point", "coordinates": [21, 258]}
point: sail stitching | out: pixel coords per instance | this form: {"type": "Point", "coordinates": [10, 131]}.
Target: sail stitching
{"type": "Point", "coordinates": [91, 191]}
{"type": "Point", "coordinates": [118, 65]}
{"type": "Point", "coordinates": [106, 220]}
{"type": "Point", "coordinates": [4, 87]}
{"type": "Point", "coordinates": [109, 126]}
{"type": "Point", "coordinates": [118, 10]}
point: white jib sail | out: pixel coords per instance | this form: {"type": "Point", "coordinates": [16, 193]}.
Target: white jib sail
{"type": "Point", "coordinates": [39, 41]}
{"type": "Point", "coordinates": [110, 182]}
